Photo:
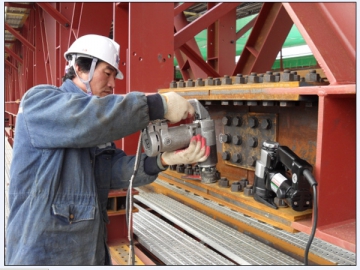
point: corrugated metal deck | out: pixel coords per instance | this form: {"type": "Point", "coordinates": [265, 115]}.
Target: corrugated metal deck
{"type": "Point", "coordinates": [319, 247]}
{"type": "Point", "coordinates": [233, 244]}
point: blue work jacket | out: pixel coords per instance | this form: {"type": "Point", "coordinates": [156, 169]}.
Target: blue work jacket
{"type": "Point", "coordinates": [63, 168]}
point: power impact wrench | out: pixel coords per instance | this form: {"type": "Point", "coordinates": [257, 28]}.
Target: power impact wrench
{"type": "Point", "coordinates": [158, 137]}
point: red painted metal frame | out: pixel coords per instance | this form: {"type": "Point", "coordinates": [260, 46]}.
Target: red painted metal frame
{"type": "Point", "coordinates": [329, 30]}
{"type": "Point", "coordinates": [270, 30]}
{"type": "Point", "coordinates": [150, 34]}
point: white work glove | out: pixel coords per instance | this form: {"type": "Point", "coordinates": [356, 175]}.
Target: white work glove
{"type": "Point", "coordinates": [196, 152]}
{"type": "Point", "coordinates": [176, 107]}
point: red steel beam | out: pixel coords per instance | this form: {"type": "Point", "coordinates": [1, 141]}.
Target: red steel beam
{"type": "Point", "coordinates": [180, 8]}
{"type": "Point", "coordinates": [246, 28]}
{"type": "Point", "coordinates": [188, 68]}
{"type": "Point", "coordinates": [329, 31]}
{"type": "Point", "coordinates": [198, 60]}
{"type": "Point", "coordinates": [13, 55]}
{"type": "Point", "coordinates": [19, 37]}
{"type": "Point", "coordinates": [10, 64]}
{"type": "Point", "coordinates": [335, 168]}
{"type": "Point", "coordinates": [192, 29]}
{"type": "Point", "coordinates": [271, 28]}
{"type": "Point", "coordinates": [53, 12]}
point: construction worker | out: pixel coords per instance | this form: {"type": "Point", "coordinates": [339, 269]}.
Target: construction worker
{"type": "Point", "coordinates": [65, 161]}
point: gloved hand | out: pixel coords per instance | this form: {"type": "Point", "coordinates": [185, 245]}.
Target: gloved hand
{"type": "Point", "coordinates": [176, 107]}
{"type": "Point", "coordinates": [196, 152]}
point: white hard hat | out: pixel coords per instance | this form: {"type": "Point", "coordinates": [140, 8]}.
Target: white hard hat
{"type": "Point", "coordinates": [96, 46]}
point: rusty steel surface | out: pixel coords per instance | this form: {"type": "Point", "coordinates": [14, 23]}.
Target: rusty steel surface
{"type": "Point", "coordinates": [244, 134]}
{"type": "Point", "coordinates": [280, 218]}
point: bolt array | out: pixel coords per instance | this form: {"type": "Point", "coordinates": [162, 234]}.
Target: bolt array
{"type": "Point", "coordinates": [267, 77]}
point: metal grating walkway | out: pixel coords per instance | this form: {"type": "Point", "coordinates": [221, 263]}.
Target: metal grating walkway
{"type": "Point", "coordinates": [170, 245]}
{"type": "Point", "coordinates": [237, 246]}
{"type": "Point", "coordinates": [318, 247]}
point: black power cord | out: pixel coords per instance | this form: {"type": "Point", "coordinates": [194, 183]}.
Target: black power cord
{"type": "Point", "coordinates": [129, 203]}
{"type": "Point", "coordinates": [308, 175]}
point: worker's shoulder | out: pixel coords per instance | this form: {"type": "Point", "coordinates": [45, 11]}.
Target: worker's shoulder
{"type": "Point", "coordinates": [42, 89]}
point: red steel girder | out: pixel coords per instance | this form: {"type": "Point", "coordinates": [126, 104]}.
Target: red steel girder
{"type": "Point", "coordinates": [246, 28]}
{"type": "Point", "coordinates": [10, 64]}
{"type": "Point", "coordinates": [192, 29]}
{"type": "Point", "coordinates": [13, 55]}
{"type": "Point", "coordinates": [266, 39]}
{"type": "Point", "coordinates": [199, 61]}
{"type": "Point", "coordinates": [180, 8]}
{"type": "Point", "coordinates": [221, 42]}
{"type": "Point", "coordinates": [329, 30]}
{"type": "Point", "coordinates": [48, 8]}
{"type": "Point", "coordinates": [19, 37]}
{"type": "Point", "coordinates": [335, 167]}
{"type": "Point", "coordinates": [146, 51]}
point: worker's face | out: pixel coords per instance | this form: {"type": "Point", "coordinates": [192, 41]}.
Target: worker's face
{"type": "Point", "coordinates": [103, 80]}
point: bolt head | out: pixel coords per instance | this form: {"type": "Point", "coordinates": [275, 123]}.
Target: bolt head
{"type": "Point", "coordinates": [226, 120]}
{"type": "Point", "coordinates": [236, 140]}
{"type": "Point", "coordinates": [236, 121]}
{"type": "Point", "coordinates": [226, 155]}
{"type": "Point", "coordinates": [265, 124]}
{"type": "Point", "coordinates": [224, 138]}
{"type": "Point", "coordinates": [252, 122]}
{"type": "Point", "coordinates": [252, 141]}
{"type": "Point", "coordinates": [236, 158]}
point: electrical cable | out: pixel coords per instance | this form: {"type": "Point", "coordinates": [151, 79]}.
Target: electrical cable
{"type": "Point", "coordinates": [308, 175]}
{"type": "Point", "coordinates": [129, 204]}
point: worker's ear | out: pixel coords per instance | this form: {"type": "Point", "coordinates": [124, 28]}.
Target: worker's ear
{"type": "Point", "coordinates": [83, 75]}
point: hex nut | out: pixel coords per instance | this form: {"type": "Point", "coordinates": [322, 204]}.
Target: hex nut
{"type": "Point", "coordinates": [217, 81]}
{"type": "Point", "coordinates": [243, 182]}
{"type": "Point", "coordinates": [200, 82]}
{"type": "Point", "coordinates": [265, 124]}
{"type": "Point", "coordinates": [225, 155]}
{"type": "Point", "coordinates": [236, 121]}
{"type": "Point", "coordinates": [226, 120]}
{"type": "Point", "coordinates": [287, 76]}
{"type": "Point", "coordinates": [251, 161]}
{"type": "Point", "coordinates": [253, 122]}
{"type": "Point", "coordinates": [236, 187]}
{"type": "Point", "coordinates": [226, 80]}
{"type": "Point", "coordinates": [248, 190]}
{"type": "Point", "coordinates": [236, 158]}
{"type": "Point", "coordinates": [239, 79]}
{"type": "Point", "coordinates": [252, 142]}
{"type": "Point", "coordinates": [253, 78]}
{"type": "Point", "coordinates": [173, 84]}
{"type": "Point", "coordinates": [181, 84]}
{"type": "Point", "coordinates": [223, 182]}
{"type": "Point", "coordinates": [190, 83]}
{"type": "Point", "coordinates": [269, 77]}
{"type": "Point", "coordinates": [236, 140]}
{"type": "Point", "coordinates": [224, 138]}
{"type": "Point", "coordinates": [210, 81]}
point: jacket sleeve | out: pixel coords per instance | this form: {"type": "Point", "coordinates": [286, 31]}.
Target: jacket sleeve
{"type": "Point", "coordinates": [123, 169]}
{"type": "Point", "coordinates": [58, 119]}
